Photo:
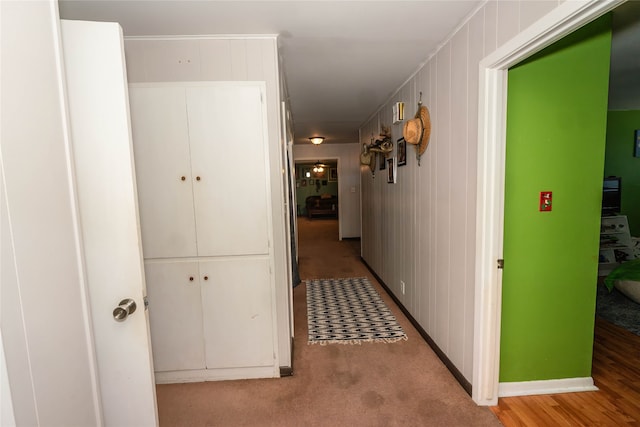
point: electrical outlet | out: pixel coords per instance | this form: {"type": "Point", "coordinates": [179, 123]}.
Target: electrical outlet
{"type": "Point", "coordinates": [402, 286]}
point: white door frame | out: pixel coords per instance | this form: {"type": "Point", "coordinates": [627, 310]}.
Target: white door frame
{"type": "Point", "coordinates": [567, 17]}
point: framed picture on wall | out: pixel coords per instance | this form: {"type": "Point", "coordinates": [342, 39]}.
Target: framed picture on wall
{"type": "Point", "coordinates": [333, 174]}
{"type": "Point", "coordinates": [402, 152]}
{"type": "Point", "coordinates": [391, 174]}
{"type": "Point", "coordinates": [303, 182]}
{"type": "Point", "coordinates": [636, 149]}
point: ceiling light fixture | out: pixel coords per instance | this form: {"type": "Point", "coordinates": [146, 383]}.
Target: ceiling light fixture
{"type": "Point", "coordinates": [318, 167]}
{"type": "Point", "coordinates": [317, 140]}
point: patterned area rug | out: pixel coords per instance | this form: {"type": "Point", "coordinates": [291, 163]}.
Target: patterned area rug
{"type": "Point", "coordinates": [349, 311]}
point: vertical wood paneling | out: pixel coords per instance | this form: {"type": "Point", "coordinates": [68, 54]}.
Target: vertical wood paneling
{"type": "Point", "coordinates": [423, 228]}
{"type": "Point", "coordinates": [413, 256]}
{"type": "Point", "coordinates": [382, 229]}
{"type": "Point", "coordinates": [406, 180]}
{"type": "Point", "coordinates": [215, 59]}
{"type": "Point", "coordinates": [423, 217]}
{"type": "Point", "coordinates": [443, 196]}
{"type": "Point", "coordinates": [532, 10]}
{"type": "Point", "coordinates": [238, 49]}
{"type": "Point", "coordinates": [508, 20]}
{"type": "Point", "coordinates": [389, 225]}
{"type": "Point", "coordinates": [431, 98]}
{"type": "Point", "coordinates": [255, 60]}
{"type": "Point", "coordinates": [490, 27]}
{"type": "Point", "coordinates": [459, 179]}
{"type": "Point", "coordinates": [379, 204]}
{"type": "Point", "coordinates": [172, 60]}
{"type": "Point", "coordinates": [475, 52]}
{"type": "Point", "coordinates": [134, 52]}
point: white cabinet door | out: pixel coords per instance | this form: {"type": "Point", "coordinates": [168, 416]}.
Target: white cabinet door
{"type": "Point", "coordinates": [175, 312]}
{"type": "Point", "coordinates": [227, 132]}
{"type": "Point", "coordinates": [237, 308]}
{"type": "Point", "coordinates": [163, 168]}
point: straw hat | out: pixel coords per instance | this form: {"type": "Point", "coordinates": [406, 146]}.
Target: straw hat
{"type": "Point", "coordinates": [417, 131]}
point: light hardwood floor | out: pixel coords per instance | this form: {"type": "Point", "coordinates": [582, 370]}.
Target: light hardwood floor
{"type": "Point", "coordinates": [616, 372]}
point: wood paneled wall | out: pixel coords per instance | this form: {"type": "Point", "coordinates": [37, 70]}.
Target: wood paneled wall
{"type": "Point", "coordinates": [422, 230]}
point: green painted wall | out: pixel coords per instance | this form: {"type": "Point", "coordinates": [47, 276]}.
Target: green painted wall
{"type": "Point", "coordinates": [302, 192]}
{"type": "Point", "coordinates": [619, 161]}
{"type": "Point", "coordinates": [556, 128]}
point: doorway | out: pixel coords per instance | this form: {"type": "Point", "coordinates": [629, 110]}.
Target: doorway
{"type": "Point", "coordinates": [622, 202]}
{"type": "Point", "coordinates": [317, 205]}
{"type": "Point", "coordinates": [491, 154]}
{"type": "Point", "coordinates": [555, 147]}
{"type": "Point", "coordinates": [317, 188]}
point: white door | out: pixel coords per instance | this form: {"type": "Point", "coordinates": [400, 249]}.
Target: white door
{"type": "Point", "coordinates": [106, 188]}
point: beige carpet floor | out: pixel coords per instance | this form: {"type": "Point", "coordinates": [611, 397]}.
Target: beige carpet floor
{"type": "Point", "coordinates": [373, 384]}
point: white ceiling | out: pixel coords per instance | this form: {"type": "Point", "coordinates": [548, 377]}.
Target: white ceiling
{"type": "Point", "coordinates": [342, 59]}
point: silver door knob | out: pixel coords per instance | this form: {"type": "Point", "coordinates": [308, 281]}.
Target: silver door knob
{"type": "Point", "coordinates": [124, 309]}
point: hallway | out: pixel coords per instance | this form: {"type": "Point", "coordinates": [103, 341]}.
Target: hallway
{"type": "Point", "coordinates": [399, 384]}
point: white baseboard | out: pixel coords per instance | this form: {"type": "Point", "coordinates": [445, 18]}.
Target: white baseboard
{"type": "Point", "coordinates": [526, 388]}
{"type": "Point", "coordinates": [222, 374]}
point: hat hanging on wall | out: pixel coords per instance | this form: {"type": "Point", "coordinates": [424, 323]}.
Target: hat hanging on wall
{"type": "Point", "coordinates": [417, 131]}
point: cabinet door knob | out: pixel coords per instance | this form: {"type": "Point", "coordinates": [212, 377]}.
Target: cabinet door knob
{"type": "Point", "coordinates": [197, 178]}
{"type": "Point", "coordinates": [182, 178]}
{"type": "Point", "coordinates": [206, 277]}
{"type": "Point", "coordinates": [191, 278]}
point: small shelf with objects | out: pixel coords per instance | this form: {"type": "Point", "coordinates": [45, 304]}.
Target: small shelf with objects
{"type": "Point", "coordinates": [616, 243]}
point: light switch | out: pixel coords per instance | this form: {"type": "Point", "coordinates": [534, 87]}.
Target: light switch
{"type": "Point", "coordinates": [545, 201]}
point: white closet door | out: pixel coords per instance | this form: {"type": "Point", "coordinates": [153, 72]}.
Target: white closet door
{"type": "Point", "coordinates": [175, 313]}
{"type": "Point", "coordinates": [238, 321]}
{"type": "Point", "coordinates": [227, 131]}
{"type": "Point", "coordinates": [163, 168]}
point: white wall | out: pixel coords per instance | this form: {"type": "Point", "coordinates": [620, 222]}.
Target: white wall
{"type": "Point", "coordinates": [45, 328]}
{"type": "Point", "coordinates": [7, 417]}
{"type": "Point", "coordinates": [231, 59]}
{"type": "Point", "coordinates": [422, 229]}
{"type": "Point", "coordinates": [348, 156]}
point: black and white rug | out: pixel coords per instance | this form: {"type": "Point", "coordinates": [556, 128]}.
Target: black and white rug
{"type": "Point", "coordinates": [349, 311]}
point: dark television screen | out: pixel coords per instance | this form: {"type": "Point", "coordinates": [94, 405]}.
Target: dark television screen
{"type": "Point", "coordinates": [611, 195]}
